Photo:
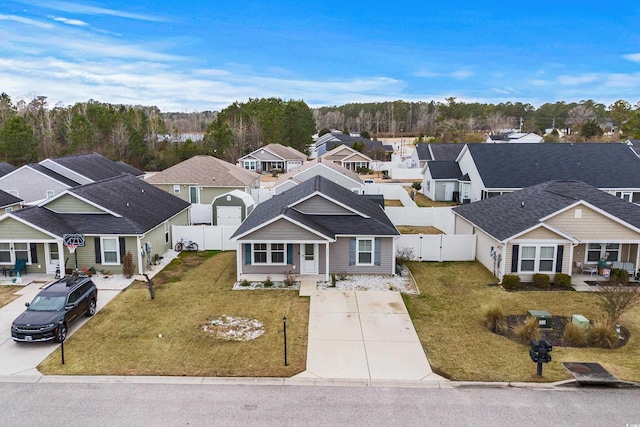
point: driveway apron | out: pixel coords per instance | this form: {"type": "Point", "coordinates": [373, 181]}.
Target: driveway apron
{"type": "Point", "coordinates": [363, 335]}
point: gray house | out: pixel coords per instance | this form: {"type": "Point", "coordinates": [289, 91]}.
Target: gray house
{"type": "Point", "coordinates": [316, 227]}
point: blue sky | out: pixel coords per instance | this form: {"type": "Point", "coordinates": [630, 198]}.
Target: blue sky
{"type": "Point", "coordinates": [204, 55]}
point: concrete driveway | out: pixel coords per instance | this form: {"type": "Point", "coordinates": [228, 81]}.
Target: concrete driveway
{"type": "Point", "coordinates": [363, 335]}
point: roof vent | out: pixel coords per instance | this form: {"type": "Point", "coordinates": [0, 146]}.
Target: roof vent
{"type": "Point", "coordinates": [522, 204]}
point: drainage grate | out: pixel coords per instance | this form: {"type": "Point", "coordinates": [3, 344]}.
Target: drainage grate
{"type": "Point", "coordinates": [590, 373]}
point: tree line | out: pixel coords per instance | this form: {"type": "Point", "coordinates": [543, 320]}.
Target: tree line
{"type": "Point", "coordinates": [149, 139]}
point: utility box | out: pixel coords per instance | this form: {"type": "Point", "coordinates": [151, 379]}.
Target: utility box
{"type": "Point", "coordinates": [580, 320]}
{"type": "Point", "coordinates": [545, 321]}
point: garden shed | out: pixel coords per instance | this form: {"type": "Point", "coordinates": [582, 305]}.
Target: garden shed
{"type": "Point", "coordinates": [231, 208]}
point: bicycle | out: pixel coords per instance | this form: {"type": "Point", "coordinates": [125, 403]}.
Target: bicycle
{"type": "Point", "coordinates": [186, 245]}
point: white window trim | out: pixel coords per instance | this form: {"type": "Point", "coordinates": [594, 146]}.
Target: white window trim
{"type": "Point", "coordinates": [373, 251]}
{"type": "Point", "coordinates": [50, 193]}
{"type": "Point", "coordinates": [537, 259]}
{"type": "Point", "coordinates": [197, 193]}
{"type": "Point", "coordinates": [102, 251]}
{"type": "Point", "coordinates": [166, 231]}
{"type": "Point", "coordinates": [603, 251]}
{"type": "Point", "coordinates": [269, 251]}
{"type": "Point", "coordinates": [176, 189]}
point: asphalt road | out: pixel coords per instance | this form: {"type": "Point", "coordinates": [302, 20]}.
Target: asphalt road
{"type": "Point", "coordinates": [68, 404]}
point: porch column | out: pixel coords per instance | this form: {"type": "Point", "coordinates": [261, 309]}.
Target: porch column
{"type": "Point", "coordinates": [637, 267]}
{"type": "Point", "coordinates": [326, 262]}
{"type": "Point", "coordinates": [139, 256]}
{"type": "Point", "coordinates": [238, 261]}
{"type": "Point", "coordinates": [61, 263]}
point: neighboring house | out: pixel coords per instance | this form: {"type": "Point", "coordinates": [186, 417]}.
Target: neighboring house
{"type": "Point", "coordinates": [5, 168]}
{"type": "Point", "coordinates": [115, 216]}
{"type": "Point", "coordinates": [494, 169]}
{"type": "Point", "coordinates": [634, 144]}
{"type": "Point", "coordinates": [515, 137]}
{"type": "Point", "coordinates": [316, 227]}
{"type": "Point", "coordinates": [273, 157]}
{"type": "Point", "coordinates": [329, 170]}
{"type": "Point", "coordinates": [329, 141]}
{"type": "Point", "coordinates": [551, 228]}
{"type": "Point", "coordinates": [231, 208]}
{"type": "Point", "coordinates": [9, 202]}
{"type": "Point", "coordinates": [435, 151]}
{"type": "Point", "coordinates": [348, 158]}
{"type": "Point", "coordinates": [443, 181]}
{"type": "Point", "coordinates": [39, 181]}
{"type": "Point", "coordinates": [200, 179]}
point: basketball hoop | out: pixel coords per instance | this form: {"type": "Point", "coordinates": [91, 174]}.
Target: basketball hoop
{"type": "Point", "coordinates": [72, 248]}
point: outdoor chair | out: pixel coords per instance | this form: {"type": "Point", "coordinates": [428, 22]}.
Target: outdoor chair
{"type": "Point", "coordinates": [589, 269]}
{"type": "Point", "coordinates": [20, 267]}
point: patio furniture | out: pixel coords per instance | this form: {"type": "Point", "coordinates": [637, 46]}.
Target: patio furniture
{"type": "Point", "coordinates": [629, 266]}
{"type": "Point", "coordinates": [589, 269]}
{"type": "Point", "coordinates": [20, 267]}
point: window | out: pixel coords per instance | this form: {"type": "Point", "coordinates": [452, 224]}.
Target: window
{"type": "Point", "coordinates": [598, 251]}
{"type": "Point", "coordinates": [593, 252]}
{"type": "Point", "coordinates": [612, 251]}
{"type": "Point", "coordinates": [537, 259]}
{"type": "Point", "coordinates": [50, 193]}
{"type": "Point", "coordinates": [54, 254]}
{"type": "Point", "coordinates": [250, 165]}
{"type": "Point", "coordinates": [176, 189]}
{"type": "Point", "coordinates": [22, 251]}
{"type": "Point", "coordinates": [166, 231]}
{"type": "Point", "coordinates": [9, 209]}
{"type": "Point", "coordinates": [194, 195]}
{"type": "Point", "coordinates": [15, 193]}
{"type": "Point", "coordinates": [110, 253]}
{"type": "Point", "coordinates": [365, 252]}
{"type": "Point", "coordinates": [5, 253]}
{"type": "Point", "coordinates": [273, 253]}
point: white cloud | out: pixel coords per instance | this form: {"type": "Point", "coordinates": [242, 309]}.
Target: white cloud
{"type": "Point", "coordinates": [462, 74]}
{"type": "Point", "coordinates": [577, 80]}
{"type": "Point", "coordinates": [67, 21]}
{"type": "Point", "coordinates": [83, 9]}
{"type": "Point", "coordinates": [458, 74]}
{"type": "Point", "coordinates": [634, 57]}
{"type": "Point", "coordinates": [25, 21]}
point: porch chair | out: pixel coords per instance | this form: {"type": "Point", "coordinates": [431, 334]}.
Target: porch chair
{"type": "Point", "coordinates": [587, 269]}
{"type": "Point", "coordinates": [20, 267]}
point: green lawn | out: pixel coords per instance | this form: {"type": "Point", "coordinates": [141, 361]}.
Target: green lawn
{"type": "Point", "coordinates": [448, 318]}
{"type": "Point", "coordinates": [122, 339]}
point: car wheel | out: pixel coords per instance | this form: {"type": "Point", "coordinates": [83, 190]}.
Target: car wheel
{"type": "Point", "coordinates": [92, 308]}
{"type": "Point", "coordinates": [62, 333]}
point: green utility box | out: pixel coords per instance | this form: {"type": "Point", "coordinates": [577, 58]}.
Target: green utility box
{"type": "Point", "coordinates": [580, 320]}
{"type": "Point", "coordinates": [545, 321]}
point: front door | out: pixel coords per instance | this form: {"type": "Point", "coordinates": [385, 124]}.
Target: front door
{"type": "Point", "coordinates": [309, 259]}
{"type": "Point", "coordinates": [53, 258]}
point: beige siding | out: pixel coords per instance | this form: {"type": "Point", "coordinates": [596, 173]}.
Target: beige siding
{"type": "Point", "coordinates": [483, 251]}
{"type": "Point", "coordinates": [11, 229]}
{"type": "Point", "coordinates": [592, 226]}
{"type": "Point", "coordinates": [282, 230]}
{"type": "Point", "coordinates": [462, 226]}
{"type": "Point", "coordinates": [70, 204]}
{"type": "Point", "coordinates": [322, 206]}
{"type": "Point", "coordinates": [541, 233]}
{"type": "Point", "coordinates": [339, 258]}
{"type": "Point", "coordinates": [527, 277]}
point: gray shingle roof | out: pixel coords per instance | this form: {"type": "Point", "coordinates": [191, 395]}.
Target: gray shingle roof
{"type": "Point", "coordinates": [441, 151]}
{"type": "Point", "coordinates": [53, 175]}
{"type": "Point", "coordinates": [507, 215]}
{"type": "Point", "coordinates": [95, 166]}
{"type": "Point", "coordinates": [444, 169]}
{"type": "Point", "coordinates": [5, 168]}
{"type": "Point", "coordinates": [329, 225]}
{"type": "Point", "coordinates": [7, 199]}
{"type": "Point", "coordinates": [141, 205]}
{"type": "Point", "coordinates": [603, 165]}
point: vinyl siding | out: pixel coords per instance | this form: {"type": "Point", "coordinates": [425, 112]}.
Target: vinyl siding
{"type": "Point", "coordinates": [11, 229]}
{"type": "Point", "coordinates": [235, 201]}
{"type": "Point", "coordinates": [592, 226]}
{"type": "Point", "coordinates": [541, 233]}
{"type": "Point", "coordinates": [322, 206]}
{"type": "Point", "coordinates": [87, 258]}
{"type": "Point", "coordinates": [282, 231]}
{"type": "Point", "coordinates": [339, 258]}
{"type": "Point", "coordinates": [330, 175]}
{"type": "Point", "coordinates": [272, 269]}
{"type": "Point", "coordinates": [70, 204]}
{"type": "Point", "coordinates": [31, 185]}
{"type": "Point", "coordinates": [527, 277]}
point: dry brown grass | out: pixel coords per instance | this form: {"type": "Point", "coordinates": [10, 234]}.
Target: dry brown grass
{"type": "Point", "coordinates": [8, 294]}
{"type": "Point", "coordinates": [393, 203]}
{"type": "Point", "coordinates": [425, 202]}
{"type": "Point", "coordinates": [122, 339]}
{"type": "Point", "coordinates": [448, 317]}
{"type": "Point", "coordinates": [417, 229]}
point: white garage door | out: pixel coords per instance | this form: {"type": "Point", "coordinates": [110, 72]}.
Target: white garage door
{"type": "Point", "coordinates": [229, 215]}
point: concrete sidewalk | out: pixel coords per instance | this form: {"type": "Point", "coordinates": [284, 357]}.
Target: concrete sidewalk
{"type": "Point", "coordinates": [363, 335]}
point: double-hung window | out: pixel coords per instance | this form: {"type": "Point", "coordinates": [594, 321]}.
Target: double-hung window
{"type": "Point", "coordinates": [365, 252]}
{"type": "Point", "coordinates": [269, 253]}
{"type": "Point", "coordinates": [537, 258]}
{"type": "Point", "coordinates": [110, 252]}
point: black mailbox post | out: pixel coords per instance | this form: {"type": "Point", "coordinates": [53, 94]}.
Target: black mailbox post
{"type": "Point", "coordinates": [540, 353]}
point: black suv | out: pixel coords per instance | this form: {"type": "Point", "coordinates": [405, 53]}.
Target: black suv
{"type": "Point", "coordinates": [54, 309]}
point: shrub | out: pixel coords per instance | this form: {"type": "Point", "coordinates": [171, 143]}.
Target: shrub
{"type": "Point", "coordinates": [290, 278]}
{"type": "Point", "coordinates": [245, 283]}
{"type": "Point", "coordinates": [574, 335]}
{"type": "Point", "coordinates": [562, 280]}
{"type": "Point", "coordinates": [616, 300]}
{"type": "Point", "coordinates": [495, 319]}
{"type": "Point", "coordinates": [333, 280]}
{"type": "Point", "coordinates": [511, 282]}
{"type": "Point", "coordinates": [267, 283]}
{"type": "Point", "coordinates": [342, 276]}
{"type": "Point", "coordinates": [602, 335]}
{"type": "Point", "coordinates": [416, 185]}
{"type": "Point", "coordinates": [619, 276]}
{"type": "Point", "coordinates": [128, 267]}
{"type": "Point", "coordinates": [540, 280]}
{"type": "Point", "coordinates": [403, 255]}
{"type": "Point", "coordinates": [528, 330]}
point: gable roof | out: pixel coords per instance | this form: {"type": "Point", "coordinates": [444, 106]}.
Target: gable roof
{"type": "Point", "coordinates": [512, 213]}
{"type": "Point", "coordinates": [286, 152]}
{"type": "Point", "coordinates": [369, 218]}
{"type": "Point", "coordinates": [7, 199]}
{"type": "Point", "coordinates": [444, 169]}
{"type": "Point", "coordinates": [5, 168]}
{"type": "Point", "coordinates": [603, 165]}
{"type": "Point", "coordinates": [438, 151]}
{"type": "Point", "coordinates": [95, 166]}
{"type": "Point", "coordinates": [131, 206]}
{"type": "Point", "coordinates": [205, 171]}
{"type": "Point", "coordinates": [343, 152]}
{"type": "Point", "coordinates": [52, 174]}
{"type": "Point", "coordinates": [348, 140]}
{"type": "Point", "coordinates": [318, 163]}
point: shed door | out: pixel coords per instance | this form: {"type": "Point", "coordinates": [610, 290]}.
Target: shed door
{"type": "Point", "coordinates": [229, 215]}
{"type": "Point", "coordinates": [448, 191]}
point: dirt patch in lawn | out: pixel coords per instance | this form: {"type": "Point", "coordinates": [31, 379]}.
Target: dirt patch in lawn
{"type": "Point", "coordinates": [417, 229]}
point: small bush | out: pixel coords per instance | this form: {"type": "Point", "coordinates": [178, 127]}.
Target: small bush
{"type": "Point", "coordinates": [562, 280]}
{"type": "Point", "coordinates": [245, 283]}
{"type": "Point", "coordinates": [333, 280]}
{"type": "Point", "coordinates": [574, 335]}
{"type": "Point", "coordinates": [267, 283]}
{"type": "Point", "coordinates": [495, 319]}
{"type": "Point", "coordinates": [342, 276]}
{"type": "Point", "coordinates": [416, 185]}
{"type": "Point", "coordinates": [511, 282]}
{"type": "Point", "coordinates": [128, 267]}
{"type": "Point", "coordinates": [619, 276]}
{"type": "Point", "coordinates": [540, 280]}
{"type": "Point", "coordinates": [403, 255]}
{"type": "Point", "coordinates": [290, 278]}
{"type": "Point", "coordinates": [602, 335]}
{"type": "Point", "coordinates": [528, 330]}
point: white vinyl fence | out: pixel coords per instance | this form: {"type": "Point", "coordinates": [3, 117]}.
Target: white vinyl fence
{"type": "Point", "coordinates": [390, 192]}
{"type": "Point", "coordinates": [440, 218]}
{"type": "Point", "coordinates": [436, 247]}
{"type": "Point", "coordinates": [201, 213]}
{"type": "Point", "coordinates": [207, 237]}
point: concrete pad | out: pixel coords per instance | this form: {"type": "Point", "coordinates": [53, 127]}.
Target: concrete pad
{"type": "Point", "coordinates": [307, 288]}
{"type": "Point", "coordinates": [380, 302]}
{"type": "Point", "coordinates": [387, 327]}
{"type": "Point", "coordinates": [396, 360]}
{"type": "Point", "coordinates": [337, 359]}
{"type": "Point", "coordinates": [334, 302]}
{"type": "Point", "coordinates": [334, 326]}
